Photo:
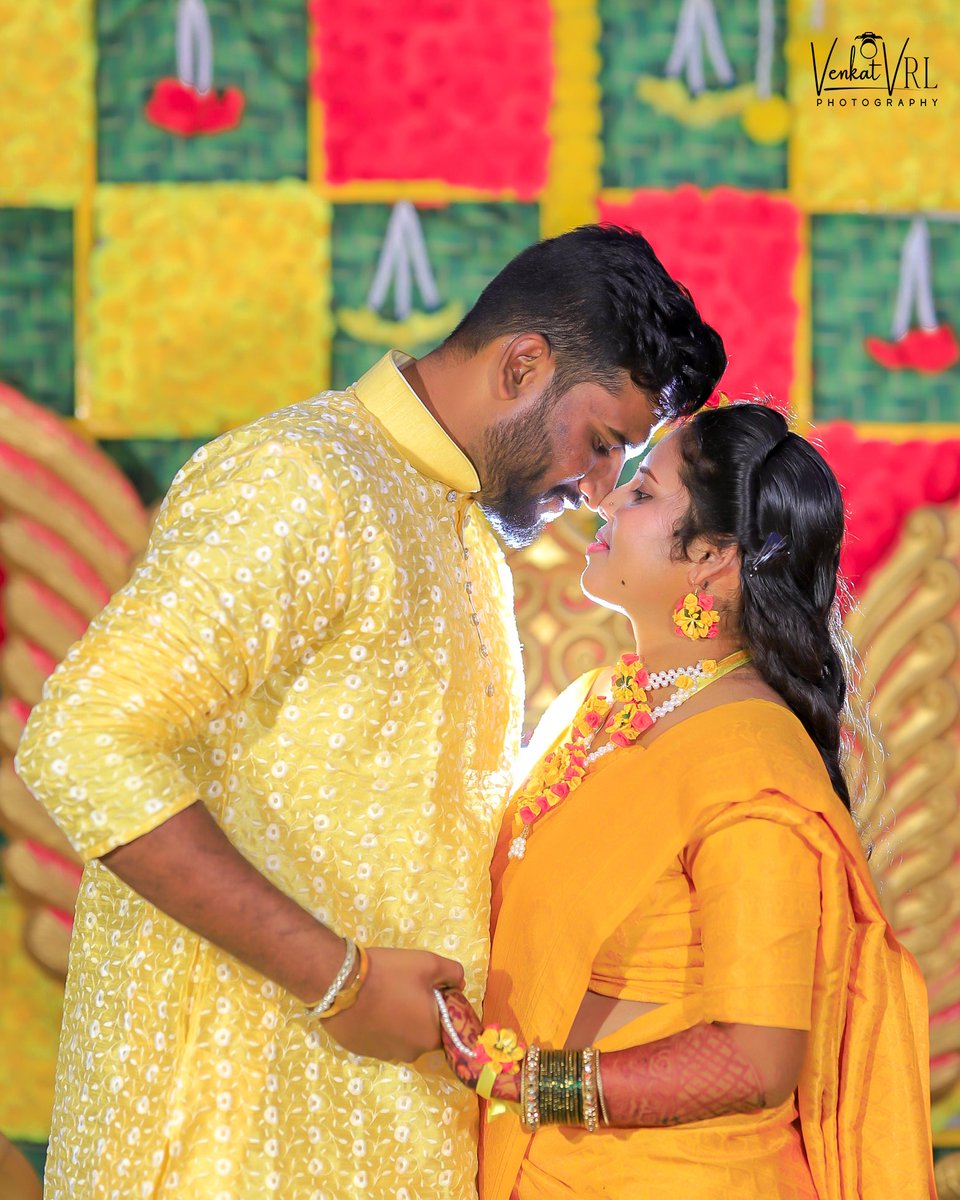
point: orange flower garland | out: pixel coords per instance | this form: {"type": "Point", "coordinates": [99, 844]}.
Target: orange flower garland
{"type": "Point", "coordinates": [560, 772]}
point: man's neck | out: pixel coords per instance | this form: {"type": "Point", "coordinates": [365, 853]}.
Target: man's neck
{"type": "Point", "coordinates": [442, 386]}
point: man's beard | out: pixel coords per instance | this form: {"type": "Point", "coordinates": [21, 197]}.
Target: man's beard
{"type": "Point", "coordinates": [515, 457]}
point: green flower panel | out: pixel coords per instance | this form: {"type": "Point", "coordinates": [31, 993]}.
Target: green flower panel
{"type": "Point", "coordinates": [36, 305]}
{"type": "Point", "coordinates": [856, 274]}
{"type": "Point", "coordinates": [151, 463]}
{"type": "Point", "coordinates": [466, 245]}
{"type": "Point", "coordinates": [260, 49]}
{"type": "Point", "coordinates": [645, 142]}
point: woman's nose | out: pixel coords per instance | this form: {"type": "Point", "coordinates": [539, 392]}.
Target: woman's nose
{"type": "Point", "coordinates": [608, 504]}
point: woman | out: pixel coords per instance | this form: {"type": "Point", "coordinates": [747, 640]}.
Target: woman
{"type": "Point", "coordinates": [680, 896]}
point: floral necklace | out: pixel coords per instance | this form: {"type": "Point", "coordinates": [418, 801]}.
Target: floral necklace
{"type": "Point", "coordinates": [560, 772]}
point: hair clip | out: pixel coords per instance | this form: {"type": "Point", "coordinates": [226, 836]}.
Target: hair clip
{"type": "Point", "coordinates": [773, 546]}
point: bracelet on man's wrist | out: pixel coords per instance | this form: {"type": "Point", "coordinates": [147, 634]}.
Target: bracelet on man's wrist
{"type": "Point", "coordinates": [345, 988]}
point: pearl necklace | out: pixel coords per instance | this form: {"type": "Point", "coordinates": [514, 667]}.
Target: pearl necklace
{"type": "Point", "coordinates": [561, 772]}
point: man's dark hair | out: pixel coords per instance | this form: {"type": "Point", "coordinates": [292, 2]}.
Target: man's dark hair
{"type": "Point", "coordinates": [605, 304]}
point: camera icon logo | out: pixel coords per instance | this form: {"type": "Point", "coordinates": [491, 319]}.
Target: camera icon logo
{"type": "Point", "coordinates": [868, 43]}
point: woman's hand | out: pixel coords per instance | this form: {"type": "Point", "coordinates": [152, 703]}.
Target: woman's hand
{"type": "Point", "coordinates": [467, 1067]}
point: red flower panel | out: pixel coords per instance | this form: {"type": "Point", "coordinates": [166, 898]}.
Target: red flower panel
{"type": "Point", "coordinates": [737, 252]}
{"type": "Point", "coordinates": [457, 92]}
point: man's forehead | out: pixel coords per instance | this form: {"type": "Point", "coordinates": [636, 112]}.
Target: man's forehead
{"type": "Point", "coordinates": [635, 421]}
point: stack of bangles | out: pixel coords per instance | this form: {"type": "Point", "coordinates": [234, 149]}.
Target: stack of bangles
{"type": "Point", "coordinates": [343, 992]}
{"type": "Point", "coordinates": [557, 1087]}
{"type": "Point", "coordinates": [562, 1087]}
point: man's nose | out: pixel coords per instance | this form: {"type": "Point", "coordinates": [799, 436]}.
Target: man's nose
{"type": "Point", "coordinates": [600, 481]}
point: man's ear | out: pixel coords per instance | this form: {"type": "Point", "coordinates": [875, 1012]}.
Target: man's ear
{"type": "Point", "coordinates": [525, 367]}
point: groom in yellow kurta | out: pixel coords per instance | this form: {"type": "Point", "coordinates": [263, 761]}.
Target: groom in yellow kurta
{"type": "Point", "coordinates": [297, 722]}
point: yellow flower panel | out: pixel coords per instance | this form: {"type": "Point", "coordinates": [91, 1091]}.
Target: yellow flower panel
{"type": "Point", "coordinates": [209, 306]}
{"type": "Point", "coordinates": [46, 102]}
{"type": "Point", "coordinates": [31, 1007]}
{"type": "Point", "coordinates": [862, 152]}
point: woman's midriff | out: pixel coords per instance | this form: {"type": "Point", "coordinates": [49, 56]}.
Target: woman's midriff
{"type": "Point", "coordinates": [599, 1016]}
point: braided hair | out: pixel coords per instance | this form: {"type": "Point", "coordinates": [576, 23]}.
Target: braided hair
{"type": "Point", "coordinates": [755, 484]}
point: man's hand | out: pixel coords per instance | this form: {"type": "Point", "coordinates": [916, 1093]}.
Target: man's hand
{"type": "Point", "coordinates": [395, 1016]}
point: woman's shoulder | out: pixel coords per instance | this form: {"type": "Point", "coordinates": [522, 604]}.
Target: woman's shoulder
{"type": "Point", "coordinates": [753, 743]}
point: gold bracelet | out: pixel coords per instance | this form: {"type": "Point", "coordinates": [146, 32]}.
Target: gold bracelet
{"type": "Point", "coordinates": [347, 996]}
{"type": "Point", "coordinates": [591, 1059]}
{"type": "Point", "coordinates": [602, 1100]}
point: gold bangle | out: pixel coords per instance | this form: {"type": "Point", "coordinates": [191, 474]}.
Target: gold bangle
{"type": "Point", "coordinates": [347, 996]}
{"type": "Point", "coordinates": [601, 1099]}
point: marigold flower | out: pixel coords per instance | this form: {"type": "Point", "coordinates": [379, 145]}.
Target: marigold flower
{"type": "Point", "coordinates": [501, 1048]}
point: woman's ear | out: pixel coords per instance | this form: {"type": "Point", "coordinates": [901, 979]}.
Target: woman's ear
{"type": "Point", "coordinates": [716, 569]}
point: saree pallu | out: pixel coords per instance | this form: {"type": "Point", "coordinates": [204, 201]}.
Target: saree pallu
{"type": "Point", "coordinates": [860, 1126]}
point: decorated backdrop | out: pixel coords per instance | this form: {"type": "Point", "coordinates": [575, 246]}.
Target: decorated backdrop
{"type": "Point", "coordinates": [213, 208]}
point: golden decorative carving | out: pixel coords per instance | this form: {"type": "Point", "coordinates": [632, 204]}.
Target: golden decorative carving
{"type": "Point", "coordinates": [948, 1177]}
{"type": "Point", "coordinates": [906, 633]}
{"type": "Point", "coordinates": [563, 633]}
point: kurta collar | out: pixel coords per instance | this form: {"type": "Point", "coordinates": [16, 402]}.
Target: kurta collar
{"type": "Point", "coordinates": [385, 393]}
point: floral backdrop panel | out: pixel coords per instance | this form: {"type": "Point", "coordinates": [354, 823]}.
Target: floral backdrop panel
{"type": "Point", "coordinates": [693, 91]}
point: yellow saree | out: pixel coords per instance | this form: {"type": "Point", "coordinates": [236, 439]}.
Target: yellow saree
{"type": "Point", "coordinates": [863, 1100]}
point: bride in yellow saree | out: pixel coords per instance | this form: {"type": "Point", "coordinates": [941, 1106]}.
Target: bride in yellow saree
{"type": "Point", "coordinates": [685, 928]}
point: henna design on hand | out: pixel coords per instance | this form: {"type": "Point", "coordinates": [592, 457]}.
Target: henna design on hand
{"type": "Point", "coordinates": [468, 1028]}
{"type": "Point", "coordinates": [690, 1076]}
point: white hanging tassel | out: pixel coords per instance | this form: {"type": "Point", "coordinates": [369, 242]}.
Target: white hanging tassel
{"type": "Point", "coordinates": [403, 257]}
{"type": "Point", "coordinates": [915, 290]}
{"type": "Point", "coordinates": [766, 40]}
{"type": "Point", "coordinates": [698, 27]}
{"type": "Point", "coordinates": [194, 45]}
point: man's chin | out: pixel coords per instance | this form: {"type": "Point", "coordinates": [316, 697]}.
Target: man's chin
{"type": "Point", "coordinates": [515, 533]}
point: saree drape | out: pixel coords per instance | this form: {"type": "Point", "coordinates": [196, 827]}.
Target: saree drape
{"type": "Point", "coordinates": [863, 1098]}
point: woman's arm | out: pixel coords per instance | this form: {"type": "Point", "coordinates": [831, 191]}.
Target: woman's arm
{"type": "Point", "coordinates": [707, 1071]}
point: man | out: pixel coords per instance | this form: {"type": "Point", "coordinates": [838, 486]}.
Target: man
{"type": "Point", "coordinates": [296, 724]}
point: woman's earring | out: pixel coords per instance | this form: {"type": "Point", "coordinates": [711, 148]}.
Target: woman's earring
{"type": "Point", "coordinates": [695, 617]}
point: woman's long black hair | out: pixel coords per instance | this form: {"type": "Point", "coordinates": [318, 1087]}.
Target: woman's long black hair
{"type": "Point", "coordinates": [754, 483]}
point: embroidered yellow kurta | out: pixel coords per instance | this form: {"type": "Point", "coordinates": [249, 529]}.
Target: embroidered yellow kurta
{"type": "Point", "coordinates": [319, 645]}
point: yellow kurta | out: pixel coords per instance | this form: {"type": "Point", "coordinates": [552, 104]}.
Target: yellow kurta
{"type": "Point", "coordinates": [299, 651]}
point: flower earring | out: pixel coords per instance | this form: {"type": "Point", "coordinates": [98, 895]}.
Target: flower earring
{"type": "Point", "coordinates": [695, 617]}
